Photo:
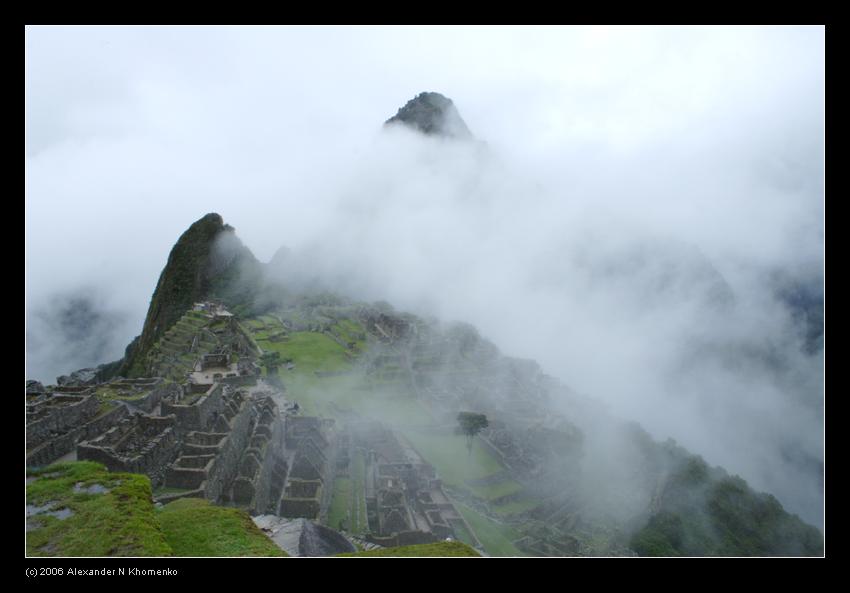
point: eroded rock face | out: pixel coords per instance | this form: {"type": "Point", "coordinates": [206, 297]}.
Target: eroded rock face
{"type": "Point", "coordinates": [34, 388]}
{"type": "Point", "coordinates": [432, 114]}
{"type": "Point", "coordinates": [78, 378]}
{"type": "Point", "coordinates": [302, 537]}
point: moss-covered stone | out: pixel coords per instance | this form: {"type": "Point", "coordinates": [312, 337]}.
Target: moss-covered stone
{"type": "Point", "coordinates": [96, 513]}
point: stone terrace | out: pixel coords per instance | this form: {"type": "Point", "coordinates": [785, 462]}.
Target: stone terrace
{"type": "Point", "coordinates": [140, 444]}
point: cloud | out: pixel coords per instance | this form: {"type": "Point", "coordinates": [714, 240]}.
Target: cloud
{"type": "Point", "coordinates": [620, 177]}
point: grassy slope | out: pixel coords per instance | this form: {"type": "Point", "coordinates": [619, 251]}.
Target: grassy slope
{"type": "Point", "coordinates": [121, 522]}
{"type": "Point", "coordinates": [441, 549]}
{"type": "Point", "coordinates": [496, 538]}
{"type": "Point", "coordinates": [448, 454]}
{"type": "Point", "coordinates": [456, 466]}
{"type": "Point", "coordinates": [329, 396]}
{"type": "Point", "coordinates": [194, 527]}
{"type": "Point", "coordinates": [340, 504]}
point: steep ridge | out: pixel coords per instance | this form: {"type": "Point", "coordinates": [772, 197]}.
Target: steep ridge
{"type": "Point", "coordinates": [207, 261]}
{"type": "Point", "coordinates": [432, 114]}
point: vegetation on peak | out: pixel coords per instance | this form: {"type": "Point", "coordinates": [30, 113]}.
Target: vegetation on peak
{"type": "Point", "coordinates": [207, 261]}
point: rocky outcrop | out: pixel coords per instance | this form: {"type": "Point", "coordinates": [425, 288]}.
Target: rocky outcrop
{"type": "Point", "coordinates": [432, 114]}
{"type": "Point", "coordinates": [78, 378]}
{"type": "Point", "coordinates": [301, 537]}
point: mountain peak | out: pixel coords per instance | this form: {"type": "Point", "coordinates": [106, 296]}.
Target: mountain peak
{"type": "Point", "coordinates": [207, 258]}
{"type": "Point", "coordinates": [432, 114]}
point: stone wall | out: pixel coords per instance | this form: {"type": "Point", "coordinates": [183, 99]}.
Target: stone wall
{"type": "Point", "coordinates": [209, 460]}
{"type": "Point", "coordinates": [307, 508]}
{"type": "Point", "coordinates": [140, 444]}
{"type": "Point", "coordinates": [226, 466]}
{"type": "Point", "coordinates": [146, 393]}
{"type": "Point", "coordinates": [56, 415]}
{"type": "Point", "coordinates": [262, 469]}
{"type": "Point", "coordinates": [54, 448]}
{"type": "Point", "coordinates": [239, 381]}
{"type": "Point", "coordinates": [303, 489]}
{"type": "Point", "coordinates": [214, 361]}
{"type": "Point", "coordinates": [200, 414]}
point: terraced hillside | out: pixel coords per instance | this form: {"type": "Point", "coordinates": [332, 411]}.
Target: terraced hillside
{"type": "Point", "coordinates": [336, 368]}
{"type": "Point", "coordinates": [175, 353]}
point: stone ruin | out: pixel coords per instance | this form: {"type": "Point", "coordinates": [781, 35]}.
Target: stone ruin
{"type": "Point", "coordinates": [311, 458]}
{"type": "Point", "coordinates": [139, 444]}
{"type": "Point", "coordinates": [217, 426]}
{"type": "Point", "coordinates": [213, 309]}
{"type": "Point", "coordinates": [387, 328]}
{"type": "Point", "coordinates": [59, 419]}
{"type": "Point", "coordinates": [262, 467]}
{"type": "Point", "coordinates": [144, 394]}
{"type": "Point", "coordinates": [215, 361]}
{"type": "Point", "coordinates": [405, 501]}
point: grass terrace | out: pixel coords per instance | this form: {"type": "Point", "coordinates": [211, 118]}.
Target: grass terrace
{"type": "Point", "coordinates": [441, 549]}
{"type": "Point", "coordinates": [81, 509]}
{"type": "Point", "coordinates": [496, 538]}
{"type": "Point", "coordinates": [95, 513]}
{"type": "Point", "coordinates": [194, 527]}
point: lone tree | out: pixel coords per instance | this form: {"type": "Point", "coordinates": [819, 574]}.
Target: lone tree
{"type": "Point", "coordinates": [469, 425]}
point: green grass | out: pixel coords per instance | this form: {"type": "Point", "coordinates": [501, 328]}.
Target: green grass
{"type": "Point", "coordinates": [310, 351]}
{"type": "Point", "coordinates": [458, 467]}
{"type": "Point", "coordinates": [462, 533]}
{"type": "Point", "coordinates": [121, 522]}
{"type": "Point", "coordinates": [496, 538]}
{"type": "Point", "coordinates": [164, 490]}
{"type": "Point", "coordinates": [360, 518]}
{"type": "Point", "coordinates": [441, 549]}
{"type": "Point", "coordinates": [124, 522]}
{"type": "Point", "coordinates": [109, 394]}
{"type": "Point", "coordinates": [349, 331]}
{"type": "Point", "coordinates": [349, 500]}
{"type": "Point", "coordinates": [448, 454]}
{"type": "Point", "coordinates": [514, 508]}
{"type": "Point", "coordinates": [333, 397]}
{"type": "Point", "coordinates": [340, 504]}
{"type": "Point", "coordinates": [104, 407]}
{"type": "Point", "coordinates": [497, 490]}
{"type": "Point", "coordinates": [194, 527]}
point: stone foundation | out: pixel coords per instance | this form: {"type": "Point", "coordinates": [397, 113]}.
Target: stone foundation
{"type": "Point", "coordinates": [196, 412]}
{"type": "Point", "coordinates": [139, 444]}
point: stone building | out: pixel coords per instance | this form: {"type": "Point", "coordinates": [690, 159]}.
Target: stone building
{"type": "Point", "coordinates": [140, 444]}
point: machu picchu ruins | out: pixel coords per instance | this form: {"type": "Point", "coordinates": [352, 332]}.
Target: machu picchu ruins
{"type": "Point", "coordinates": [334, 426]}
{"type": "Point", "coordinates": [210, 424]}
{"type": "Point", "coordinates": [287, 408]}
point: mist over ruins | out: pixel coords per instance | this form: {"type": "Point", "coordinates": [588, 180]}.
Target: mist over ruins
{"type": "Point", "coordinates": [438, 342]}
